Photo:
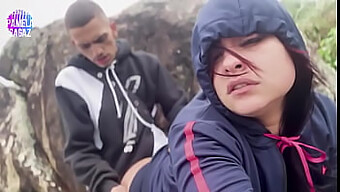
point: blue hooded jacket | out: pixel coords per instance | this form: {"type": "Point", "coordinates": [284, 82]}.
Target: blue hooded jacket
{"type": "Point", "coordinates": [213, 149]}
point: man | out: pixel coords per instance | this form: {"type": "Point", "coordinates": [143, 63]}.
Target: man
{"type": "Point", "coordinates": [105, 96]}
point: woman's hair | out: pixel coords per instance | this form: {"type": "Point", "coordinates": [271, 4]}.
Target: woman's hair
{"type": "Point", "coordinates": [299, 100]}
{"type": "Point", "coordinates": [297, 109]}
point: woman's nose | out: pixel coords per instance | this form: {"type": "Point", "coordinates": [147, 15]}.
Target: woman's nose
{"type": "Point", "coordinates": [234, 65]}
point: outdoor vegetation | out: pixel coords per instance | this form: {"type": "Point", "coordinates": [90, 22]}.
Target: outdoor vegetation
{"type": "Point", "coordinates": [317, 21]}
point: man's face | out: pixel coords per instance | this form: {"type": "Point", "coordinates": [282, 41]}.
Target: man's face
{"type": "Point", "coordinates": [96, 40]}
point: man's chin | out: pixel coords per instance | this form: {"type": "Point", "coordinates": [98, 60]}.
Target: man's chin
{"type": "Point", "coordinates": [102, 65]}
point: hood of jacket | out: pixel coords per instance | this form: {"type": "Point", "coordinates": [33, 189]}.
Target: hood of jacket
{"type": "Point", "coordinates": [235, 18]}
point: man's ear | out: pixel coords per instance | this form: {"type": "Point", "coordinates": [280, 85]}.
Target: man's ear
{"type": "Point", "coordinates": [113, 27]}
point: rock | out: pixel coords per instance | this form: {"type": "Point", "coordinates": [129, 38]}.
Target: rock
{"type": "Point", "coordinates": [24, 165]}
{"type": "Point", "coordinates": [33, 63]}
{"type": "Point", "coordinates": [164, 28]}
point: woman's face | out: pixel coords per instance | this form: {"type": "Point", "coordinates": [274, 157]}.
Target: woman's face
{"type": "Point", "coordinates": [254, 79]}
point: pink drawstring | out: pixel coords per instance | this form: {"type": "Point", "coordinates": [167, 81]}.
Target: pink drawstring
{"type": "Point", "coordinates": [304, 155]}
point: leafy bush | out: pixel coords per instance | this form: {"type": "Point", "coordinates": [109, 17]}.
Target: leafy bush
{"type": "Point", "coordinates": [328, 48]}
{"type": "Point", "coordinates": [317, 20]}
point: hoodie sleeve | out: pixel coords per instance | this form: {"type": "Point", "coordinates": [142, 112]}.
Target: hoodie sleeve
{"type": "Point", "coordinates": [326, 120]}
{"type": "Point", "coordinates": [80, 151]}
{"type": "Point", "coordinates": [169, 95]}
{"type": "Point", "coordinates": [202, 163]}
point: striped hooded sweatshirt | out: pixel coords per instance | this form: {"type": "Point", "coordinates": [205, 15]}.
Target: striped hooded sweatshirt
{"type": "Point", "coordinates": [107, 113]}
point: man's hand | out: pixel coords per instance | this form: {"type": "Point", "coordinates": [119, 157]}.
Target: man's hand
{"type": "Point", "coordinates": [119, 188]}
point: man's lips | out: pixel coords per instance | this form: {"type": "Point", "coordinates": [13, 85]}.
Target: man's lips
{"type": "Point", "coordinates": [102, 60]}
{"type": "Point", "coordinates": [239, 84]}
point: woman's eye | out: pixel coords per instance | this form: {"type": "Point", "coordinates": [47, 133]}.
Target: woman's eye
{"type": "Point", "coordinates": [251, 41]}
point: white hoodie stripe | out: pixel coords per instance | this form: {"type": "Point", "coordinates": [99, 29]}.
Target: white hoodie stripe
{"type": "Point", "coordinates": [89, 89]}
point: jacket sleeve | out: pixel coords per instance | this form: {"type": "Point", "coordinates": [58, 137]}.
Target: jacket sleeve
{"type": "Point", "coordinates": [80, 151]}
{"type": "Point", "coordinates": [169, 95]}
{"type": "Point", "coordinates": [327, 110]}
{"type": "Point", "coordinates": [202, 163]}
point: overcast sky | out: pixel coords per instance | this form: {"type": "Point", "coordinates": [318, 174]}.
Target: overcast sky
{"type": "Point", "coordinates": [45, 12]}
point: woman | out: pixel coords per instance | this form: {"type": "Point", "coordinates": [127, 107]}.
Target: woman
{"type": "Point", "coordinates": [257, 125]}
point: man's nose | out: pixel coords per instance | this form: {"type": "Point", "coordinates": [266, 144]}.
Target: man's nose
{"type": "Point", "coordinates": [97, 50]}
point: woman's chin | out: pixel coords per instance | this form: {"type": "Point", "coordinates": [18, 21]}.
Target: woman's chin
{"type": "Point", "coordinates": [247, 109]}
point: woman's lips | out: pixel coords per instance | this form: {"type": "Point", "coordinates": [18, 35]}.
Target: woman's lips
{"type": "Point", "coordinates": [241, 85]}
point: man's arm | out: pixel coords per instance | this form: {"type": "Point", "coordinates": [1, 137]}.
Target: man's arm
{"type": "Point", "coordinates": [169, 95]}
{"type": "Point", "coordinates": [80, 151]}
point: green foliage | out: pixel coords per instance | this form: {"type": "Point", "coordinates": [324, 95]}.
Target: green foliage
{"type": "Point", "coordinates": [317, 20]}
{"type": "Point", "coordinates": [328, 48]}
